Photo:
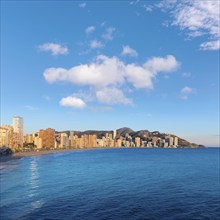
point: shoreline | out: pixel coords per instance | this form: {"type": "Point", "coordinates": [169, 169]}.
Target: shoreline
{"type": "Point", "coordinates": [20, 155]}
{"type": "Point", "coordinates": [42, 152]}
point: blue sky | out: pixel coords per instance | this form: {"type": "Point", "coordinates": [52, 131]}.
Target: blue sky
{"type": "Point", "coordinates": [104, 65]}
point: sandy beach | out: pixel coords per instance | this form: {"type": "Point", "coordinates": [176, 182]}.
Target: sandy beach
{"type": "Point", "coordinates": [19, 155]}
{"type": "Point", "coordinates": [38, 153]}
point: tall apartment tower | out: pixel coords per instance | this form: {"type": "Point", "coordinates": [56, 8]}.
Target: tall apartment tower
{"type": "Point", "coordinates": [175, 141]}
{"type": "Point", "coordinates": [18, 131]}
{"type": "Point", "coordinates": [6, 136]}
{"type": "Point", "coordinates": [114, 134]}
{"type": "Point", "coordinates": [48, 137]}
{"type": "Point", "coordinates": [137, 142]}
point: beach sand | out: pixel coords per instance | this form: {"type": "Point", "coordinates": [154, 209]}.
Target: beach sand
{"type": "Point", "coordinates": [19, 155]}
{"type": "Point", "coordinates": [38, 153]}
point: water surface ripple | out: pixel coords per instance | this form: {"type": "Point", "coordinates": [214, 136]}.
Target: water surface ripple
{"type": "Point", "coordinates": [114, 184]}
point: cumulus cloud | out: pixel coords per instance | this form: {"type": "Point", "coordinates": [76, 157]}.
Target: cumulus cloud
{"type": "Point", "coordinates": [186, 91]}
{"type": "Point", "coordinates": [106, 71]}
{"type": "Point", "coordinates": [90, 29]}
{"type": "Point", "coordinates": [95, 44]}
{"type": "Point", "coordinates": [71, 101]}
{"type": "Point", "coordinates": [82, 5]}
{"type": "Point", "coordinates": [55, 49]}
{"type": "Point", "coordinates": [139, 76]}
{"type": "Point", "coordinates": [112, 96]}
{"type": "Point", "coordinates": [128, 51]}
{"type": "Point", "coordinates": [162, 64]}
{"type": "Point", "coordinates": [103, 72]}
{"type": "Point", "coordinates": [108, 35]}
{"type": "Point", "coordinates": [107, 75]}
{"type": "Point", "coordinates": [197, 18]}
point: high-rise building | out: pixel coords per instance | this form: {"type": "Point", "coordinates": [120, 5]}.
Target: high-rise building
{"type": "Point", "coordinates": [175, 141]}
{"type": "Point", "coordinates": [18, 131]}
{"type": "Point", "coordinates": [171, 141]}
{"type": "Point", "coordinates": [114, 134]}
{"type": "Point", "coordinates": [92, 141]}
{"type": "Point", "coordinates": [64, 140]}
{"type": "Point", "coordinates": [48, 137]}
{"type": "Point", "coordinates": [38, 142]}
{"type": "Point", "coordinates": [154, 140]}
{"type": "Point", "coordinates": [29, 138]}
{"type": "Point", "coordinates": [137, 142]}
{"type": "Point", "coordinates": [119, 143]}
{"type": "Point", "coordinates": [6, 136]}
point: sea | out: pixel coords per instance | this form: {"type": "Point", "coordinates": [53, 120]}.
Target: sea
{"type": "Point", "coordinates": [113, 184]}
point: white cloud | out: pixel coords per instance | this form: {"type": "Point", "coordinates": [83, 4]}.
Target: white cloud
{"type": "Point", "coordinates": [82, 5]}
{"type": "Point", "coordinates": [127, 50]}
{"type": "Point", "coordinates": [55, 49]}
{"type": "Point", "coordinates": [162, 64]}
{"type": "Point", "coordinates": [55, 74]}
{"type": "Point", "coordinates": [112, 96]}
{"type": "Point", "coordinates": [106, 71]}
{"type": "Point", "coordinates": [148, 8]}
{"type": "Point", "coordinates": [90, 29]}
{"type": "Point", "coordinates": [106, 75]}
{"type": "Point", "coordinates": [186, 91]}
{"type": "Point", "coordinates": [95, 44]}
{"type": "Point", "coordinates": [108, 35]}
{"type": "Point", "coordinates": [134, 2]}
{"type": "Point", "coordinates": [103, 72]}
{"type": "Point", "coordinates": [210, 45]}
{"type": "Point", "coordinates": [196, 18]}
{"type": "Point", "coordinates": [139, 77]}
{"type": "Point", "coordinates": [71, 101]}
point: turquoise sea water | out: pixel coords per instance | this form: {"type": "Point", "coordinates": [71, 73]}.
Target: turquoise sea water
{"type": "Point", "coordinates": [113, 184]}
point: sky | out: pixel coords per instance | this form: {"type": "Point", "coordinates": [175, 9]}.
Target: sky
{"type": "Point", "coordinates": [75, 65]}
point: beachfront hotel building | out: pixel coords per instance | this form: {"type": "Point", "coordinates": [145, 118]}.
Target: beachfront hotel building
{"type": "Point", "coordinates": [137, 142]}
{"type": "Point", "coordinates": [6, 136]}
{"type": "Point", "coordinates": [114, 134]}
{"type": "Point", "coordinates": [64, 140]}
{"type": "Point", "coordinates": [18, 131]}
{"type": "Point", "coordinates": [47, 137]}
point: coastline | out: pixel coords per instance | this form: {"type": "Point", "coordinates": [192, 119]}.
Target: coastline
{"type": "Point", "coordinates": [19, 155]}
{"type": "Point", "coordinates": [42, 152]}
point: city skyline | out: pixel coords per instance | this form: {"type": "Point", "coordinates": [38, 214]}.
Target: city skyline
{"type": "Point", "coordinates": [49, 139]}
{"type": "Point", "coordinates": [101, 66]}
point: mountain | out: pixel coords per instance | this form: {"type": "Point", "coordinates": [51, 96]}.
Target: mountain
{"type": "Point", "coordinates": [123, 131]}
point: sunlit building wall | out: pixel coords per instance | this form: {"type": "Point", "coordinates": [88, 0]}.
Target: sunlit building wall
{"type": "Point", "coordinates": [18, 131]}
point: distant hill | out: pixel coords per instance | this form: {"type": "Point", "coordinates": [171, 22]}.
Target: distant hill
{"type": "Point", "coordinates": [124, 131]}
